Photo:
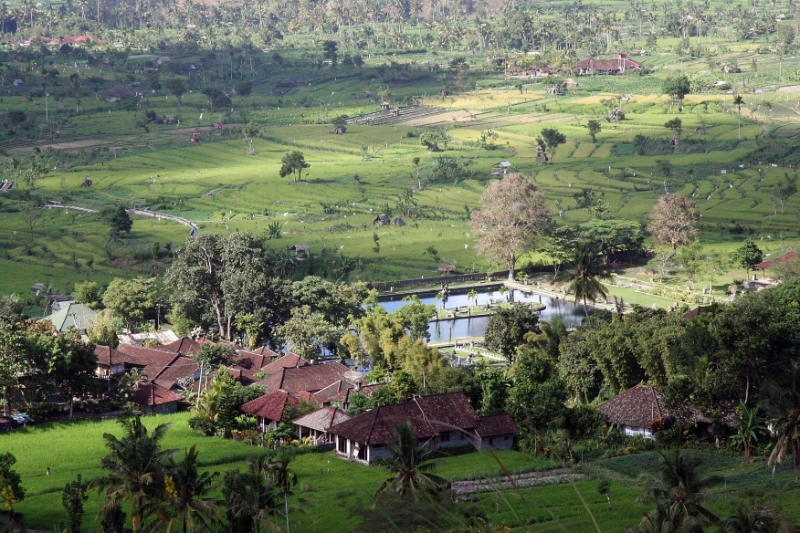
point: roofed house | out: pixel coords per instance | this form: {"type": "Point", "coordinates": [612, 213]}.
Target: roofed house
{"type": "Point", "coordinates": [186, 346]}
{"type": "Point", "coordinates": [766, 265]}
{"type": "Point", "coordinates": [317, 423]}
{"type": "Point", "coordinates": [110, 362]}
{"type": "Point", "coordinates": [290, 360]}
{"type": "Point", "coordinates": [617, 65]}
{"type": "Point", "coordinates": [38, 288]}
{"type": "Point", "coordinates": [640, 409]}
{"type": "Point", "coordinates": [255, 360]}
{"type": "Point", "coordinates": [382, 220]}
{"type": "Point", "coordinates": [302, 251]}
{"type": "Point", "coordinates": [437, 421]}
{"type": "Point", "coordinates": [168, 369]}
{"type": "Point", "coordinates": [74, 315]}
{"type": "Point", "coordinates": [501, 168]}
{"type": "Point", "coordinates": [153, 398]}
{"type": "Point", "coordinates": [269, 409]}
{"type": "Point", "coordinates": [311, 378]}
{"type": "Point", "coordinates": [444, 268]}
{"type": "Point", "coordinates": [119, 93]}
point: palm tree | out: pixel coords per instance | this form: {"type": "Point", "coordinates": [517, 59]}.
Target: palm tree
{"type": "Point", "coordinates": [749, 425]}
{"type": "Point", "coordinates": [136, 465]}
{"type": "Point", "coordinates": [665, 519]}
{"type": "Point", "coordinates": [783, 404]}
{"type": "Point", "coordinates": [583, 276]}
{"type": "Point", "coordinates": [188, 489]}
{"type": "Point", "coordinates": [285, 479]}
{"type": "Point", "coordinates": [249, 495]}
{"type": "Point", "coordinates": [410, 465]}
{"type": "Point", "coordinates": [472, 296]}
{"type": "Point", "coordinates": [679, 483]}
{"type": "Point", "coordinates": [738, 101]}
{"type": "Point", "coordinates": [747, 519]}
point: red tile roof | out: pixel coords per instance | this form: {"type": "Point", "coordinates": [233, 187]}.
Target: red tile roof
{"type": "Point", "coordinates": [185, 346]}
{"type": "Point", "coordinates": [153, 394]}
{"type": "Point", "coordinates": [270, 406]}
{"type": "Point", "coordinates": [640, 405]}
{"type": "Point", "coordinates": [428, 416]}
{"type": "Point", "coordinates": [250, 361]}
{"type": "Point", "coordinates": [496, 425]}
{"type": "Point", "coordinates": [323, 419]}
{"type": "Point", "coordinates": [766, 265]}
{"type": "Point", "coordinates": [618, 63]}
{"type": "Point", "coordinates": [305, 378]}
{"type": "Point", "coordinates": [290, 360]}
{"type": "Point", "coordinates": [109, 356]}
{"type": "Point", "coordinates": [168, 375]}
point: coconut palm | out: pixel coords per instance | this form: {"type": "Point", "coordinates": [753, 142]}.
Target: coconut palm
{"type": "Point", "coordinates": [679, 482]}
{"type": "Point", "coordinates": [410, 465]}
{"type": "Point", "coordinates": [136, 465]}
{"type": "Point", "coordinates": [749, 425]}
{"type": "Point", "coordinates": [249, 496]}
{"type": "Point", "coordinates": [188, 489]}
{"type": "Point", "coordinates": [666, 519]}
{"type": "Point", "coordinates": [748, 519]}
{"type": "Point", "coordinates": [738, 101]}
{"type": "Point", "coordinates": [783, 404]}
{"type": "Point", "coordinates": [583, 276]}
{"type": "Point", "coordinates": [285, 479]}
{"type": "Point", "coordinates": [472, 296]}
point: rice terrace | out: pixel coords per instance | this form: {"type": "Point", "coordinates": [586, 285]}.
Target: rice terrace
{"type": "Point", "coordinates": [414, 266]}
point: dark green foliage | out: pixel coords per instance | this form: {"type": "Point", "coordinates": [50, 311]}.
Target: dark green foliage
{"type": "Point", "coordinates": [748, 255]}
{"type": "Point", "coordinates": [293, 163]}
{"type": "Point", "coordinates": [537, 398]}
{"type": "Point", "coordinates": [677, 87]}
{"type": "Point", "coordinates": [507, 328]}
{"type": "Point", "coordinates": [10, 478]}
{"type": "Point", "coordinates": [214, 355]}
{"type": "Point", "coordinates": [118, 218]}
{"type": "Point", "coordinates": [72, 498]}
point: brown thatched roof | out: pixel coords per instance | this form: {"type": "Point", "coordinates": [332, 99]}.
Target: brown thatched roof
{"type": "Point", "coordinates": [640, 405]}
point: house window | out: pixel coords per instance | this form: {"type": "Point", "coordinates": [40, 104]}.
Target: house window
{"type": "Point", "coordinates": [506, 437]}
{"type": "Point", "coordinates": [362, 452]}
{"type": "Point", "coordinates": [341, 445]}
{"type": "Point", "coordinates": [491, 442]}
{"type": "Point", "coordinates": [445, 436]}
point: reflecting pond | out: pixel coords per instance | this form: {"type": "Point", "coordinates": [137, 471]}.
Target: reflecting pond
{"type": "Point", "coordinates": [444, 330]}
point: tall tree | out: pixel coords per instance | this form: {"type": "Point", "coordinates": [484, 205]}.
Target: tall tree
{"type": "Point", "coordinates": [672, 224]}
{"type": "Point", "coordinates": [130, 300]}
{"type": "Point", "coordinates": [135, 468]}
{"type": "Point", "coordinates": [679, 481]}
{"type": "Point", "coordinates": [73, 498]}
{"type": "Point", "coordinates": [783, 405]}
{"type": "Point", "coordinates": [738, 101]}
{"type": "Point", "coordinates": [513, 214]}
{"type": "Point", "coordinates": [178, 89]}
{"type": "Point", "coordinates": [250, 495]}
{"type": "Point", "coordinates": [250, 132]}
{"type": "Point", "coordinates": [583, 276]}
{"type": "Point", "coordinates": [293, 163]}
{"type": "Point", "coordinates": [507, 328]}
{"type": "Point", "coordinates": [552, 138]}
{"type": "Point", "coordinates": [410, 465]}
{"type": "Point", "coordinates": [187, 499]}
{"type": "Point", "coordinates": [285, 479]}
{"type": "Point", "coordinates": [748, 255]}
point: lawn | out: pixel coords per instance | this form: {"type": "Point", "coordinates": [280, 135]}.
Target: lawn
{"type": "Point", "coordinates": [330, 489]}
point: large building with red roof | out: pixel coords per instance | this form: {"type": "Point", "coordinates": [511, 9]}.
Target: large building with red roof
{"type": "Point", "coordinates": [437, 421]}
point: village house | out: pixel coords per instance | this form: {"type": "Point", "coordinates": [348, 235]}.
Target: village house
{"type": "Point", "coordinates": [302, 251]}
{"type": "Point", "coordinates": [290, 360]}
{"type": "Point", "coordinates": [640, 410]}
{"type": "Point", "coordinates": [269, 409]}
{"type": "Point", "coordinates": [110, 362]}
{"type": "Point", "coordinates": [255, 360]}
{"type": "Point", "coordinates": [317, 423]}
{"type": "Point", "coordinates": [155, 399]}
{"type": "Point", "coordinates": [617, 65]}
{"type": "Point", "coordinates": [311, 378]}
{"type": "Point", "coordinates": [437, 421]}
{"type": "Point", "coordinates": [75, 315]}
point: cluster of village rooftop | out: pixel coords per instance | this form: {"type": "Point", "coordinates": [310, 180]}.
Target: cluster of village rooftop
{"type": "Point", "coordinates": [438, 420]}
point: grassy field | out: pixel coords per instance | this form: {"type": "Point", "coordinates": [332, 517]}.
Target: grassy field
{"type": "Point", "coordinates": [331, 489]}
{"type": "Point", "coordinates": [369, 170]}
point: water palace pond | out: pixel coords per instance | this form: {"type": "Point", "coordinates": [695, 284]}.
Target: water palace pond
{"type": "Point", "coordinates": [445, 330]}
